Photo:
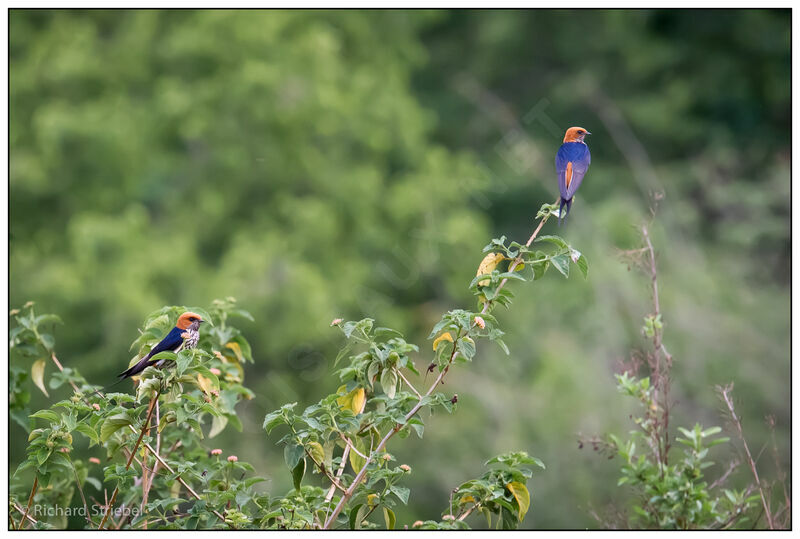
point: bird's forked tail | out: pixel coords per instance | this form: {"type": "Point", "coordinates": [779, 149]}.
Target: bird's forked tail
{"type": "Point", "coordinates": [561, 214]}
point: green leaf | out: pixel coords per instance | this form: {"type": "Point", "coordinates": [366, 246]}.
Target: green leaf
{"type": "Point", "coordinates": [561, 263]}
{"type": "Point", "coordinates": [182, 361]}
{"type": "Point", "coordinates": [555, 240]}
{"type": "Point", "coordinates": [501, 343]}
{"type": "Point", "coordinates": [292, 453]}
{"type": "Point", "coordinates": [47, 415]}
{"type": "Point", "coordinates": [581, 262]}
{"type": "Point", "coordinates": [112, 425]}
{"type": "Point", "coordinates": [89, 432]}
{"type": "Point", "coordinates": [416, 424]}
{"type": "Point", "coordinates": [48, 318]}
{"type": "Point", "coordinates": [401, 493]}
{"type": "Point", "coordinates": [389, 518]}
{"type": "Point", "coordinates": [37, 375]}
{"type": "Point", "coordinates": [172, 356]}
{"type": "Point", "coordinates": [298, 472]}
{"type": "Point", "coordinates": [354, 524]}
{"type": "Point", "coordinates": [389, 382]}
{"type": "Point", "coordinates": [218, 424]}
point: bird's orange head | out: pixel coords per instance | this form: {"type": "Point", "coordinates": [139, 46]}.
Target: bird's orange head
{"type": "Point", "coordinates": [185, 320]}
{"type": "Point", "coordinates": [575, 134]}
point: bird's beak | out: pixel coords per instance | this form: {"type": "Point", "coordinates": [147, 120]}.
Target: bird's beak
{"type": "Point", "coordinates": [588, 133]}
{"type": "Point", "coordinates": [202, 321]}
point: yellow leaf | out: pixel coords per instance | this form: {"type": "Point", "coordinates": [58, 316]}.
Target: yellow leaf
{"type": "Point", "coordinates": [466, 499]}
{"type": "Point", "coordinates": [520, 492]}
{"type": "Point", "coordinates": [487, 266]}
{"type": "Point", "coordinates": [236, 350]}
{"type": "Point", "coordinates": [440, 338]}
{"type": "Point", "coordinates": [519, 267]}
{"type": "Point", "coordinates": [371, 499]}
{"type": "Point", "coordinates": [357, 461]}
{"type": "Point", "coordinates": [354, 401]}
{"type": "Point", "coordinates": [316, 452]}
{"type": "Point", "coordinates": [37, 374]}
{"type": "Point", "coordinates": [205, 384]}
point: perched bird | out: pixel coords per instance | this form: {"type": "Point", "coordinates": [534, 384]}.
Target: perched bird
{"type": "Point", "coordinates": [572, 162]}
{"type": "Point", "coordinates": [185, 334]}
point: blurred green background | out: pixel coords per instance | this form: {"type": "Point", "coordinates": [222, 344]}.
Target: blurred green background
{"type": "Point", "coordinates": [320, 164]}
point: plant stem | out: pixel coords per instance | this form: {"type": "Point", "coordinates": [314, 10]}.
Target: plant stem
{"type": "Point", "coordinates": [725, 392]}
{"type": "Point", "coordinates": [30, 518]}
{"type": "Point", "coordinates": [80, 490]}
{"type": "Point", "coordinates": [30, 501]}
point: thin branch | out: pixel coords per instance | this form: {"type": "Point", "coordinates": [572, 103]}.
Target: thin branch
{"type": "Point", "coordinates": [321, 467]}
{"type": "Point", "coordinates": [179, 478]}
{"type": "Point", "coordinates": [30, 501]}
{"type": "Point", "coordinates": [345, 454]}
{"type": "Point", "coordinates": [732, 465]}
{"type": "Point", "coordinates": [80, 490]}
{"type": "Point", "coordinates": [409, 384]}
{"type": "Point", "coordinates": [725, 393]}
{"type": "Point", "coordinates": [24, 516]}
{"type": "Point", "coordinates": [352, 447]}
{"type": "Point", "coordinates": [466, 513]}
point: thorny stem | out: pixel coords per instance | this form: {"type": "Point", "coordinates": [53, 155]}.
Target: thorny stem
{"type": "Point", "coordinates": [394, 430]}
{"type": "Point", "coordinates": [725, 392]}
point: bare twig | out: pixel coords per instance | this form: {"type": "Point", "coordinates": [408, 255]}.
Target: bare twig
{"type": "Point", "coordinates": [725, 393]}
{"type": "Point", "coordinates": [732, 465]}
{"type": "Point", "coordinates": [412, 388]}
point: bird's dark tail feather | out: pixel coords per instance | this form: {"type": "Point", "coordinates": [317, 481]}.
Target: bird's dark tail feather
{"type": "Point", "coordinates": [561, 214]}
{"type": "Point", "coordinates": [136, 369]}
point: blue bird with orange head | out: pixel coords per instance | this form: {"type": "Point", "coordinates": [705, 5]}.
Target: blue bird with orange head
{"type": "Point", "coordinates": [185, 334]}
{"type": "Point", "coordinates": [572, 162]}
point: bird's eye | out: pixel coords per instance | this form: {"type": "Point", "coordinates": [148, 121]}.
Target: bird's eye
{"type": "Point", "coordinates": [193, 319]}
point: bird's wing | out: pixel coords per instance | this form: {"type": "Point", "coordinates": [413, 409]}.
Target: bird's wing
{"type": "Point", "coordinates": [562, 161]}
{"type": "Point", "coordinates": [572, 162]}
{"type": "Point", "coordinates": [170, 342]}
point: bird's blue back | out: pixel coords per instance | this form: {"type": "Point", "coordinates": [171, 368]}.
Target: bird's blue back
{"type": "Point", "coordinates": [578, 154]}
{"type": "Point", "coordinates": [170, 342]}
